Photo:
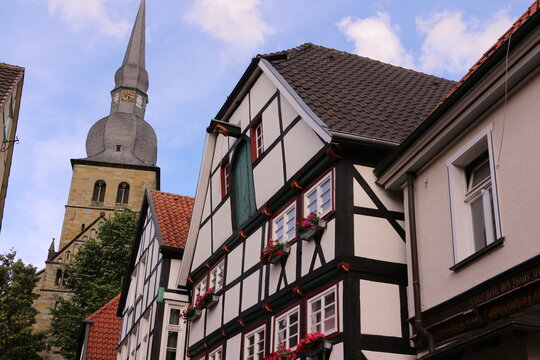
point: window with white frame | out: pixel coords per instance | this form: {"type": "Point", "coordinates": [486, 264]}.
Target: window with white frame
{"type": "Point", "coordinates": [217, 275]}
{"type": "Point", "coordinates": [319, 198]}
{"type": "Point", "coordinates": [322, 312]}
{"type": "Point", "coordinates": [254, 344]}
{"type": "Point", "coordinates": [257, 142]}
{"type": "Point", "coordinates": [173, 333]}
{"type": "Point", "coordinates": [200, 288]}
{"type": "Point", "coordinates": [473, 196]}
{"type": "Point", "coordinates": [284, 224]}
{"type": "Point", "coordinates": [287, 328]}
{"type": "Point", "coordinates": [216, 354]}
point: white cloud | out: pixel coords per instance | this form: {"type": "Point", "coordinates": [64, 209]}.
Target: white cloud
{"type": "Point", "coordinates": [88, 13]}
{"type": "Point", "coordinates": [453, 43]}
{"type": "Point", "coordinates": [450, 46]}
{"type": "Point", "coordinates": [237, 22]}
{"type": "Point", "coordinates": [376, 38]}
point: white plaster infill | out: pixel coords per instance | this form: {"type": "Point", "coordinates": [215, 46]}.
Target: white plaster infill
{"type": "Point", "coordinates": [296, 101]}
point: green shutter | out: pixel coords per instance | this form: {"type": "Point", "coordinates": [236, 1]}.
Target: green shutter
{"type": "Point", "coordinates": [244, 194]}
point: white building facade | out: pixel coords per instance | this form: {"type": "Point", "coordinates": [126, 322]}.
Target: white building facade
{"type": "Point", "coordinates": [283, 148]}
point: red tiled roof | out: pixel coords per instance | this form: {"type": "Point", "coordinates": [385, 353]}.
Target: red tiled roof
{"type": "Point", "coordinates": [104, 332]}
{"type": "Point", "coordinates": [9, 76]}
{"type": "Point", "coordinates": [173, 215]}
{"type": "Point", "coordinates": [519, 22]}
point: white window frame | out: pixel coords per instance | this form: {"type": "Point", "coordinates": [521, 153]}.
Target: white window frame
{"type": "Point", "coordinates": [218, 271]}
{"type": "Point", "coordinates": [288, 225]}
{"type": "Point", "coordinates": [258, 138]}
{"type": "Point", "coordinates": [219, 350]}
{"type": "Point", "coordinates": [461, 196]}
{"type": "Point", "coordinates": [200, 289]}
{"type": "Point", "coordinates": [257, 349]}
{"type": "Point", "coordinates": [168, 327]}
{"type": "Point", "coordinates": [317, 188]}
{"type": "Point", "coordinates": [321, 297]}
{"type": "Point", "coordinates": [287, 314]}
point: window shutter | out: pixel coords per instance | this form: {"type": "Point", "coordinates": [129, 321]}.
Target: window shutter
{"type": "Point", "coordinates": [244, 194]}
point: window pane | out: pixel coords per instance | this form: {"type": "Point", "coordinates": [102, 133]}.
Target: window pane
{"type": "Point", "coordinates": [174, 318]}
{"type": "Point", "coordinates": [171, 355]}
{"type": "Point", "coordinates": [480, 174]}
{"type": "Point", "coordinates": [172, 339]}
{"type": "Point", "coordinates": [479, 232]}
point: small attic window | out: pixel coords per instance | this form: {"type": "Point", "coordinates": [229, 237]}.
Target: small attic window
{"type": "Point", "coordinates": [118, 147]}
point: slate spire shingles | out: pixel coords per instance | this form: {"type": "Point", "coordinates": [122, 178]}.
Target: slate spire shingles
{"type": "Point", "coordinates": [359, 96]}
{"type": "Point", "coordinates": [173, 214]}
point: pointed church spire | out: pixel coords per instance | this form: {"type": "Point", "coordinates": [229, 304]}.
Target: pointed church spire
{"type": "Point", "coordinates": [51, 253]}
{"type": "Point", "coordinates": [124, 137]}
{"type": "Point", "coordinates": [132, 73]}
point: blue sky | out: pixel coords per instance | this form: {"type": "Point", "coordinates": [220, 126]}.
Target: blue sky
{"type": "Point", "coordinates": [196, 52]}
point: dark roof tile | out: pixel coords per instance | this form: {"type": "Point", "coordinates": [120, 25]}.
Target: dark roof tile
{"type": "Point", "coordinates": [357, 95]}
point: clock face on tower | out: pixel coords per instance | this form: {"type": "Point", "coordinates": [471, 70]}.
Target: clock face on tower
{"type": "Point", "coordinates": [128, 95]}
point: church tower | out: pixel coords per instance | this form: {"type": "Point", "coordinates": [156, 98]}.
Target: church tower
{"type": "Point", "coordinates": [120, 164]}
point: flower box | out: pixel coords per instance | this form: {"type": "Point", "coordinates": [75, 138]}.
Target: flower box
{"type": "Point", "coordinates": [274, 252]}
{"type": "Point", "coordinates": [281, 354]}
{"type": "Point", "coordinates": [207, 301]}
{"type": "Point", "coordinates": [285, 252]}
{"type": "Point", "coordinates": [309, 233]}
{"type": "Point", "coordinates": [313, 344]}
{"type": "Point", "coordinates": [211, 301]}
{"type": "Point", "coordinates": [317, 348]}
{"type": "Point", "coordinates": [191, 313]}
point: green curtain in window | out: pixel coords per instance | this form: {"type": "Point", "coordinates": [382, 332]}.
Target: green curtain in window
{"type": "Point", "coordinates": [244, 194]}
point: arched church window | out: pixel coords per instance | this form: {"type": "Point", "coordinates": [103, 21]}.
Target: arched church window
{"type": "Point", "coordinates": [68, 256]}
{"type": "Point", "coordinates": [122, 196]}
{"type": "Point", "coordinates": [58, 280]}
{"type": "Point", "coordinates": [99, 191]}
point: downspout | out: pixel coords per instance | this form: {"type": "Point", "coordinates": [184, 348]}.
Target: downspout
{"type": "Point", "coordinates": [418, 324]}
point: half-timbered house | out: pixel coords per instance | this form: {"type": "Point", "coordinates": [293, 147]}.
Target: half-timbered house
{"type": "Point", "coordinates": [151, 302]}
{"type": "Point", "coordinates": [301, 133]}
{"type": "Point", "coordinates": [469, 176]}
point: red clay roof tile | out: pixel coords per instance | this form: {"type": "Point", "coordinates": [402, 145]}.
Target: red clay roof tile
{"type": "Point", "coordinates": [9, 76]}
{"type": "Point", "coordinates": [174, 215]}
{"type": "Point", "coordinates": [104, 332]}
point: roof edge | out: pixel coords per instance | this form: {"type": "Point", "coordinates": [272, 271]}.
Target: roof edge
{"type": "Point", "coordinates": [514, 41]}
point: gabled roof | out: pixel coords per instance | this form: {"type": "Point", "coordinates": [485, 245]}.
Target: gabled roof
{"type": "Point", "coordinates": [9, 76]}
{"type": "Point", "coordinates": [173, 214]}
{"type": "Point", "coordinates": [355, 95]}
{"type": "Point", "coordinates": [104, 333]}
